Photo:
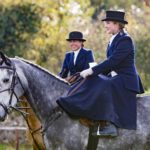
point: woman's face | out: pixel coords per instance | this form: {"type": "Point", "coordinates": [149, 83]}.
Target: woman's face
{"type": "Point", "coordinates": [75, 44]}
{"type": "Point", "coordinates": [111, 27]}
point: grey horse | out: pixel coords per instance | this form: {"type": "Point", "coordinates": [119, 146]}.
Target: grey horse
{"type": "Point", "coordinates": [42, 89]}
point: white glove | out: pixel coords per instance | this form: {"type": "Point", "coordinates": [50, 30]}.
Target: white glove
{"type": "Point", "coordinates": [86, 73]}
{"type": "Point", "coordinates": [92, 64]}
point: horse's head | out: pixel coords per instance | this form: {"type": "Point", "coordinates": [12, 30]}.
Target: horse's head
{"type": "Point", "coordinates": [9, 86]}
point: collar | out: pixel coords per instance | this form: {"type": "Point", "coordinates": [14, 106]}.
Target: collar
{"type": "Point", "coordinates": [77, 52]}
{"type": "Point", "coordinates": [112, 38]}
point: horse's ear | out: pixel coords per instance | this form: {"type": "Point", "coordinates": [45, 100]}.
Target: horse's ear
{"type": "Point", "coordinates": [4, 59]}
{"type": "Point", "coordinates": [2, 55]}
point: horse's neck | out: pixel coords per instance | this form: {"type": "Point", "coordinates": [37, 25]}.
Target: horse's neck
{"type": "Point", "coordinates": [43, 90]}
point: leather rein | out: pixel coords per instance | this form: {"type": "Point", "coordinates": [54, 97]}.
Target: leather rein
{"type": "Point", "coordinates": [8, 108]}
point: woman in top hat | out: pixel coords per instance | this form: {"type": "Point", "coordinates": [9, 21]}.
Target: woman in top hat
{"type": "Point", "coordinates": [79, 58]}
{"type": "Point", "coordinates": [108, 94]}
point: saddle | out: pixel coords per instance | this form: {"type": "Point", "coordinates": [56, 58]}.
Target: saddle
{"type": "Point", "coordinates": [73, 78]}
{"type": "Point", "coordinates": [86, 122]}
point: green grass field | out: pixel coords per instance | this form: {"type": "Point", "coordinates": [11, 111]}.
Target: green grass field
{"type": "Point", "coordinates": [13, 147]}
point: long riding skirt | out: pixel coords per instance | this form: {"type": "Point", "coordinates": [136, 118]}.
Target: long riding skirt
{"type": "Point", "coordinates": [101, 98]}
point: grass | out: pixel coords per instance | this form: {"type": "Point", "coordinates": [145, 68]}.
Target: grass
{"type": "Point", "coordinates": [147, 92]}
{"type": "Point", "coordinates": [13, 147]}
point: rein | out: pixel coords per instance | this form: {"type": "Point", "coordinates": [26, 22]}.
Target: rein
{"type": "Point", "coordinates": [12, 87]}
{"type": "Point", "coordinates": [7, 109]}
{"type": "Point", "coordinates": [32, 132]}
{"type": "Point", "coordinates": [57, 112]}
{"type": "Point", "coordinates": [54, 115]}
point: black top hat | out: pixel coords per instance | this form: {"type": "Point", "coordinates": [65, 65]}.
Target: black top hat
{"type": "Point", "coordinates": [115, 16]}
{"type": "Point", "coordinates": [75, 35]}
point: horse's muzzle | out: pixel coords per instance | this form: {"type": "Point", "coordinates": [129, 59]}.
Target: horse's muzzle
{"type": "Point", "coordinates": [3, 113]}
{"type": "Point", "coordinates": [2, 119]}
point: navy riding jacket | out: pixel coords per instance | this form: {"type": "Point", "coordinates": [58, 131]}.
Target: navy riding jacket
{"type": "Point", "coordinates": [120, 58]}
{"type": "Point", "coordinates": [82, 62]}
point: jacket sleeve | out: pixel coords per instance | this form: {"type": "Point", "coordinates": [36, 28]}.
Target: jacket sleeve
{"type": "Point", "coordinates": [64, 70]}
{"type": "Point", "coordinates": [89, 58]}
{"type": "Point", "coordinates": [123, 48]}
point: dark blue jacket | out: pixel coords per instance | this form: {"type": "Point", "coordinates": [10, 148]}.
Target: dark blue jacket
{"type": "Point", "coordinates": [120, 58]}
{"type": "Point", "coordinates": [82, 62]}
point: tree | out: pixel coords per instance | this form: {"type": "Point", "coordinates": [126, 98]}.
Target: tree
{"type": "Point", "coordinates": [18, 24]}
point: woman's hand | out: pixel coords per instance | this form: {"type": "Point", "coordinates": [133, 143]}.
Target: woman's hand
{"type": "Point", "coordinates": [86, 73]}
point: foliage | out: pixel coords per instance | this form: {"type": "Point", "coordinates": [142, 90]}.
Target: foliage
{"type": "Point", "coordinates": [37, 29]}
{"type": "Point", "coordinates": [143, 55]}
{"type": "Point", "coordinates": [17, 25]}
{"type": "Point", "coordinates": [139, 29]}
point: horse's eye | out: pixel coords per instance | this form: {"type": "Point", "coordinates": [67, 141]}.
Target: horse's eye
{"type": "Point", "coordinates": [6, 80]}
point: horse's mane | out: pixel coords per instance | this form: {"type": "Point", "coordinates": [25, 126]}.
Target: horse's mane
{"type": "Point", "coordinates": [42, 69]}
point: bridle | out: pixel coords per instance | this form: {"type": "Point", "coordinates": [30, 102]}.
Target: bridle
{"type": "Point", "coordinates": [11, 89]}
{"type": "Point", "coordinates": [54, 115]}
